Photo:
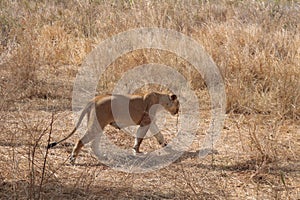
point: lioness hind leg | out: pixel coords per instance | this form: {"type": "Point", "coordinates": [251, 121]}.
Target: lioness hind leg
{"type": "Point", "coordinates": [76, 151]}
{"type": "Point", "coordinates": [89, 136]}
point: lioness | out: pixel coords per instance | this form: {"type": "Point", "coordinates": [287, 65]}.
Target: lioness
{"type": "Point", "coordinates": [122, 110]}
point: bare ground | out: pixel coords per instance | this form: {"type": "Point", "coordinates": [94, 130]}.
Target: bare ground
{"type": "Point", "coordinates": [242, 168]}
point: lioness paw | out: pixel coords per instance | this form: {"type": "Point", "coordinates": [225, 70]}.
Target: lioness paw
{"type": "Point", "coordinates": [164, 144]}
{"type": "Point", "coordinates": [72, 160]}
{"type": "Point", "coordinates": [138, 153]}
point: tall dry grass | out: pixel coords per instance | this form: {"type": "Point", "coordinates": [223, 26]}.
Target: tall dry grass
{"type": "Point", "coordinates": [255, 44]}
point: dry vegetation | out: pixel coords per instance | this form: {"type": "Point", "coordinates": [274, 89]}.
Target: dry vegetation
{"type": "Point", "coordinates": [256, 45]}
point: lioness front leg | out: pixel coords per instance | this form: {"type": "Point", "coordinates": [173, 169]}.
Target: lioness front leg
{"type": "Point", "coordinates": [141, 132]}
{"type": "Point", "coordinates": [157, 134]}
{"type": "Point", "coordinates": [160, 139]}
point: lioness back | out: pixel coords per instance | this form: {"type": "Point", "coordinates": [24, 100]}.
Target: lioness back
{"type": "Point", "coordinates": [122, 109]}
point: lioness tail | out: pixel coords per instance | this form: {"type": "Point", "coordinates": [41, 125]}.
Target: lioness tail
{"type": "Point", "coordinates": [86, 110]}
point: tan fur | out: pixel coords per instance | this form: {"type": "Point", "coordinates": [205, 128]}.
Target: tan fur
{"type": "Point", "coordinates": [112, 109]}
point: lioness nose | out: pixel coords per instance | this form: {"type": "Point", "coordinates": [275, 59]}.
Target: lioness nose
{"type": "Point", "coordinates": [176, 111]}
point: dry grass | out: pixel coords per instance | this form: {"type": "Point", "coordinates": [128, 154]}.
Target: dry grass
{"type": "Point", "coordinates": [254, 43]}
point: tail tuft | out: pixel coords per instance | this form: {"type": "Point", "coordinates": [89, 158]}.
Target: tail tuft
{"type": "Point", "coordinates": [52, 145]}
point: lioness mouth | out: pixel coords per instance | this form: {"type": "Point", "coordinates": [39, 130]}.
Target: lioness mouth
{"type": "Point", "coordinates": [176, 112]}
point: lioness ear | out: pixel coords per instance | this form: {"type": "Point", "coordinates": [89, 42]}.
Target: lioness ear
{"type": "Point", "coordinates": [173, 97]}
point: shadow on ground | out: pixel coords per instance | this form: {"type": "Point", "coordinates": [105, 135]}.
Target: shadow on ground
{"type": "Point", "coordinates": [53, 190]}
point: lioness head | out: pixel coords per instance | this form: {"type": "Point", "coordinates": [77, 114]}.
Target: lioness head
{"type": "Point", "coordinates": [170, 103]}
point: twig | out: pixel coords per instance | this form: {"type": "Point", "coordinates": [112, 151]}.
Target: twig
{"type": "Point", "coordinates": [45, 158]}
{"type": "Point", "coordinates": [189, 183]}
{"type": "Point", "coordinates": [32, 164]}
